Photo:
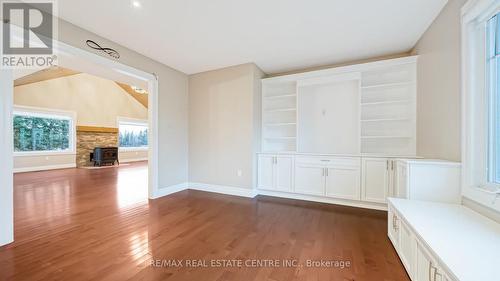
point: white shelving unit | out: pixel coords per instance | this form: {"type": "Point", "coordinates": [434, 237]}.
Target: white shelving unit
{"type": "Point", "coordinates": [279, 116]}
{"type": "Point", "coordinates": [388, 110]}
{"type": "Point", "coordinates": [360, 109]}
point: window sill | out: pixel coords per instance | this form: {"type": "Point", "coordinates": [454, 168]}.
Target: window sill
{"type": "Point", "coordinates": [132, 149]}
{"type": "Point", "coordinates": [42, 153]}
{"type": "Point", "coordinates": [489, 190]}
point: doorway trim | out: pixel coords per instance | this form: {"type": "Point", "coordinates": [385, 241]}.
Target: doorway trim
{"type": "Point", "coordinates": [6, 107]}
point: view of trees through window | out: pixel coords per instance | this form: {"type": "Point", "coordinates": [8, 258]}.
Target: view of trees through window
{"type": "Point", "coordinates": [133, 135]}
{"type": "Point", "coordinates": [40, 133]}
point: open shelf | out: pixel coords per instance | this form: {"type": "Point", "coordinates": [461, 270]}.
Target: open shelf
{"type": "Point", "coordinates": [280, 138]}
{"type": "Point", "coordinates": [385, 120]}
{"type": "Point", "coordinates": [281, 109]}
{"type": "Point", "coordinates": [280, 124]}
{"type": "Point", "coordinates": [385, 102]}
{"type": "Point", "coordinates": [388, 85]}
{"type": "Point", "coordinates": [386, 137]}
{"type": "Point", "coordinates": [280, 96]}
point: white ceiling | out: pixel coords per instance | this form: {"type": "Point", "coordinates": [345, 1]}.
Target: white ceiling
{"type": "Point", "coordinates": [278, 35]}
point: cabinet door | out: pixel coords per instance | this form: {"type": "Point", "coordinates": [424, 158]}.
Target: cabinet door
{"type": "Point", "coordinates": [309, 179]}
{"type": "Point", "coordinates": [265, 176]}
{"type": "Point", "coordinates": [343, 182]}
{"type": "Point", "coordinates": [424, 268]}
{"type": "Point", "coordinates": [284, 173]}
{"type": "Point", "coordinates": [401, 180]}
{"type": "Point", "coordinates": [375, 183]}
{"type": "Point", "coordinates": [407, 245]}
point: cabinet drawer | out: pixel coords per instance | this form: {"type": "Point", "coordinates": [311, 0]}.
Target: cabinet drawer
{"type": "Point", "coordinates": [329, 161]}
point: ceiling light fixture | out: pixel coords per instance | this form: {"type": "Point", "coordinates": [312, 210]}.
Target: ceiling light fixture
{"type": "Point", "coordinates": [136, 4]}
{"type": "Point", "coordinates": [138, 90]}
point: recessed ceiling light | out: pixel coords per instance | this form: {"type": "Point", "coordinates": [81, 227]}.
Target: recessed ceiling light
{"type": "Point", "coordinates": [136, 4]}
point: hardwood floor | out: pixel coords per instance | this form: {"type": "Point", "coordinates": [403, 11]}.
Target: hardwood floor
{"type": "Point", "coordinates": [79, 224]}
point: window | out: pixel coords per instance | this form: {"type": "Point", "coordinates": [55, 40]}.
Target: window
{"type": "Point", "coordinates": [42, 132]}
{"type": "Point", "coordinates": [133, 134]}
{"type": "Point", "coordinates": [493, 87]}
{"type": "Point", "coordinates": [480, 63]}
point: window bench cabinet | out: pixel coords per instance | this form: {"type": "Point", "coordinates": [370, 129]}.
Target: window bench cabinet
{"type": "Point", "coordinates": [443, 242]}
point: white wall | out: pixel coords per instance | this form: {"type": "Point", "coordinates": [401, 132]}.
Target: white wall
{"type": "Point", "coordinates": [224, 120]}
{"type": "Point", "coordinates": [438, 97]}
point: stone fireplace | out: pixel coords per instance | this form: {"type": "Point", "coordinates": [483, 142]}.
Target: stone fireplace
{"type": "Point", "coordinates": [87, 138]}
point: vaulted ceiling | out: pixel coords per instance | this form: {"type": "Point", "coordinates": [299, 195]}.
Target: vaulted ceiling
{"type": "Point", "coordinates": [278, 35]}
{"type": "Point", "coordinates": [59, 72]}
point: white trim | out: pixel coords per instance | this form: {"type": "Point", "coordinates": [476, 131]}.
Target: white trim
{"type": "Point", "coordinates": [342, 69]}
{"type": "Point", "coordinates": [223, 189]}
{"type": "Point", "coordinates": [6, 105]}
{"type": "Point", "coordinates": [321, 199]}
{"type": "Point", "coordinates": [152, 81]}
{"type": "Point", "coordinates": [164, 191]}
{"type": "Point", "coordinates": [6, 165]}
{"type": "Point", "coordinates": [473, 96]}
{"type": "Point", "coordinates": [133, 149]}
{"type": "Point", "coordinates": [43, 153]}
{"type": "Point", "coordinates": [44, 168]}
{"type": "Point", "coordinates": [251, 193]}
{"type": "Point", "coordinates": [128, 160]}
{"type": "Point", "coordinates": [48, 113]}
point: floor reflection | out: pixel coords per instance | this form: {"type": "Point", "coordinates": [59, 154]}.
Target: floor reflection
{"type": "Point", "coordinates": [132, 186]}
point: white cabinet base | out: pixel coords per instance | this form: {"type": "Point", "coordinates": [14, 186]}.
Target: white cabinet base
{"type": "Point", "coordinates": [357, 181]}
{"type": "Point", "coordinates": [323, 199]}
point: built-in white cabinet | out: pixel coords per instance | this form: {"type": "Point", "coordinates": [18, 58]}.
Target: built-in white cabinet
{"type": "Point", "coordinates": [429, 180]}
{"type": "Point", "coordinates": [375, 179]}
{"type": "Point", "coordinates": [407, 247]}
{"type": "Point", "coordinates": [309, 179]}
{"type": "Point", "coordinates": [343, 182]}
{"type": "Point", "coordinates": [359, 109]}
{"type": "Point", "coordinates": [275, 172]}
{"type": "Point", "coordinates": [369, 180]}
{"type": "Point", "coordinates": [426, 267]}
{"type": "Point", "coordinates": [426, 237]}
{"type": "Point", "coordinates": [328, 176]}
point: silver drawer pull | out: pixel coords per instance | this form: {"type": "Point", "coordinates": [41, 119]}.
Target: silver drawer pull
{"type": "Point", "coordinates": [325, 160]}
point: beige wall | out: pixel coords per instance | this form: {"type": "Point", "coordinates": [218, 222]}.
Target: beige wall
{"type": "Point", "coordinates": [96, 101]}
{"type": "Point", "coordinates": [224, 125]}
{"type": "Point", "coordinates": [172, 103]}
{"type": "Point", "coordinates": [438, 98]}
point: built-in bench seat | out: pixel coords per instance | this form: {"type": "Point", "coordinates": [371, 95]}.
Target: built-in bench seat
{"type": "Point", "coordinates": [444, 242]}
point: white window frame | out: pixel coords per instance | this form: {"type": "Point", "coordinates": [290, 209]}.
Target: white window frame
{"type": "Point", "coordinates": [48, 113]}
{"type": "Point", "coordinates": [475, 104]}
{"type": "Point", "coordinates": [131, 121]}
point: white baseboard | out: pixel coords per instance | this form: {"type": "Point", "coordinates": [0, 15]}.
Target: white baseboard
{"type": "Point", "coordinates": [223, 189]}
{"type": "Point", "coordinates": [343, 202]}
{"type": "Point", "coordinates": [250, 193]}
{"type": "Point", "coordinates": [133, 160]}
{"type": "Point", "coordinates": [44, 168]}
{"type": "Point", "coordinates": [170, 189]}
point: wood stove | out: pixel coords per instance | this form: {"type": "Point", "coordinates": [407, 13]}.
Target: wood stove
{"type": "Point", "coordinates": [104, 155]}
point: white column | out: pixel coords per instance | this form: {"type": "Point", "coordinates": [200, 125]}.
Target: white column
{"type": "Point", "coordinates": [6, 162]}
